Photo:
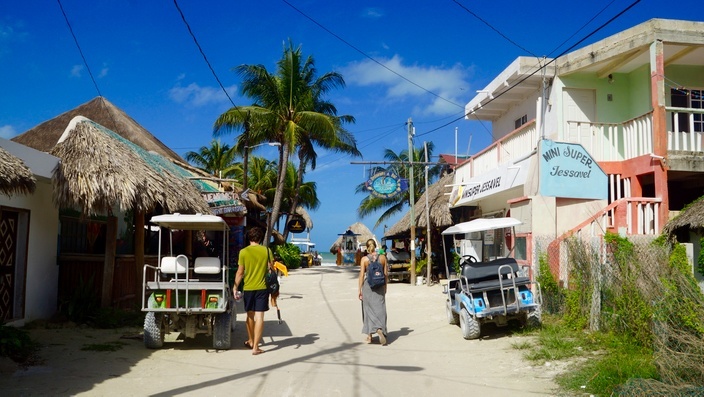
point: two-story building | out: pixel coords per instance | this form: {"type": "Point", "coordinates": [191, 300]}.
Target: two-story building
{"type": "Point", "coordinates": [605, 138]}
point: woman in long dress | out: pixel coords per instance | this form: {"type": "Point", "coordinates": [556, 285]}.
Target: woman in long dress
{"type": "Point", "coordinates": [373, 300]}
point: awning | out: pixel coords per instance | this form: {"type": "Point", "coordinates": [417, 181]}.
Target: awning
{"type": "Point", "coordinates": [481, 224]}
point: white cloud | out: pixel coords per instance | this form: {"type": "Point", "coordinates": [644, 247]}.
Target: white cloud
{"type": "Point", "coordinates": [76, 70]}
{"type": "Point", "coordinates": [103, 71]}
{"type": "Point", "coordinates": [412, 82]}
{"type": "Point", "coordinates": [197, 96]}
{"type": "Point", "coordinates": [372, 12]}
{"type": "Point", "coordinates": [7, 131]}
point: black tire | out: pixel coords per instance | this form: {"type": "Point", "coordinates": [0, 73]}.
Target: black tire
{"type": "Point", "coordinates": [534, 319]}
{"type": "Point", "coordinates": [452, 317]}
{"type": "Point", "coordinates": [469, 325]}
{"type": "Point", "coordinates": [153, 331]}
{"type": "Point", "coordinates": [233, 315]}
{"type": "Point", "coordinates": [221, 331]}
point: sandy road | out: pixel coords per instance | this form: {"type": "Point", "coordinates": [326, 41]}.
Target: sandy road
{"type": "Point", "coordinates": [318, 351]}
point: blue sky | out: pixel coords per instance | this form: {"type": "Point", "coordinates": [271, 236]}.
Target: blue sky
{"type": "Point", "coordinates": [436, 55]}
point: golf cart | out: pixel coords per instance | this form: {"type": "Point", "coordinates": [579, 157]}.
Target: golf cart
{"type": "Point", "coordinates": [188, 295]}
{"type": "Point", "coordinates": [488, 289]}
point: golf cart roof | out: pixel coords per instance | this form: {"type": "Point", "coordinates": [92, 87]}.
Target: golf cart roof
{"type": "Point", "coordinates": [305, 243]}
{"type": "Point", "coordinates": [481, 224]}
{"type": "Point", "coordinates": [190, 222]}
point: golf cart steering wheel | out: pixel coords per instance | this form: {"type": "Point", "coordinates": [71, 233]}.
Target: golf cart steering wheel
{"type": "Point", "coordinates": [467, 258]}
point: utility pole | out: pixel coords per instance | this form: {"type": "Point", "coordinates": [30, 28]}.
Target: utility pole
{"type": "Point", "coordinates": [428, 239]}
{"type": "Point", "coordinates": [412, 199]}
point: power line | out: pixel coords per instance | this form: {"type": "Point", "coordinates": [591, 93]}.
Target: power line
{"type": "Point", "coordinates": [541, 66]}
{"type": "Point", "coordinates": [80, 51]}
{"type": "Point", "coordinates": [368, 56]}
{"type": "Point", "coordinates": [493, 28]}
{"type": "Point", "coordinates": [183, 17]}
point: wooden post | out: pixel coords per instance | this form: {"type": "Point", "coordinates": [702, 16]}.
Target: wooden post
{"type": "Point", "coordinates": [109, 263]}
{"type": "Point", "coordinates": [138, 222]}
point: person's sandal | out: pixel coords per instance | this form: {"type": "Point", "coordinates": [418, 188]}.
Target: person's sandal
{"type": "Point", "coordinates": [382, 337]}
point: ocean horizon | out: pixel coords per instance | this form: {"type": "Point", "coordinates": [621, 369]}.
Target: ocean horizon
{"type": "Point", "coordinates": [328, 258]}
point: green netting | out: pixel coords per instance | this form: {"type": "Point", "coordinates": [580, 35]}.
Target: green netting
{"type": "Point", "coordinates": [158, 163]}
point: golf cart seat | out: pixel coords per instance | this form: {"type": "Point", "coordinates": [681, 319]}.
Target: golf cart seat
{"type": "Point", "coordinates": [207, 267]}
{"type": "Point", "coordinates": [481, 276]}
{"type": "Point", "coordinates": [172, 266]}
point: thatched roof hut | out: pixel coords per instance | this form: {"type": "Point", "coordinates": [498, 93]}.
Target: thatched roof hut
{"type": "Point", "coordinates": [15, 176]}
{"type": "Point", "coordinates": [100, 169]}
{"type": "Point", "coordinates": [44, 136]}
{"type": "Point", "coordinates": [358, 228]}
{"type": "Point", "coordinates": [437, 194]}
{"type": "Point", "coordinates": [300, 211]}
{"type": "Point", "coordinates": [691, 217]}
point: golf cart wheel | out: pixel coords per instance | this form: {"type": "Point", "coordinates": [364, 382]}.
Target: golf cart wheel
{"type": "Point", "coordinates": [469, 325]}
{"type": "Point", "coordinates": [221, 331]}
{"type": "Point", "coordinates": [233, 315]}
{"type": "Point", "coordinates": [153, 333]}
{"type": "Point", "coordinates": [533, 319]}
{"type": "Point", "coordinates": [452, 317]}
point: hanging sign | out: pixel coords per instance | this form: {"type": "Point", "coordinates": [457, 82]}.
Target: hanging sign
{"type": "Point", "coordinates": [385, 184]}
{"type": "Point", "coordinates": [296, 225]}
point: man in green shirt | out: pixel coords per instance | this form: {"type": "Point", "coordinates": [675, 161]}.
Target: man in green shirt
{"type": "Point", "coordinates": [253, 264]}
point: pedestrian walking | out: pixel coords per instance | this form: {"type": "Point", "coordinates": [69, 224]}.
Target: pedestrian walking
{"type": "Point", "coordinates": [253, 265]}
{"type": "Point", "coordinates": [373, 298]}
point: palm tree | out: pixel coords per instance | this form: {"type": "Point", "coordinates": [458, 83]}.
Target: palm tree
{"type": "Point", "coordinates": [288, 106]}
{"type": "Point", "coordinates": [217, 160]}
{"type": "Point", "coordinates": [399, 166]}
{"type": "Point", "coordinates": [262, 175]}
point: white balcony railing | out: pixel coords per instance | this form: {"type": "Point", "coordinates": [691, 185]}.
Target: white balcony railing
{"type": "Point", "coordinates": [604, 141]}
{"type": "Point", "coordinates": [678, 138]}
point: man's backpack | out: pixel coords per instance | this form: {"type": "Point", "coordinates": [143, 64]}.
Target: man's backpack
{"type": "Point", "coordinates": [375, 273]}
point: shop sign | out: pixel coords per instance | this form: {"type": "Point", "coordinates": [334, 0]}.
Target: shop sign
{"type": "Point", "coordinates": [385, 184]}
{"type": "Point", "coordinates": [502, 178]}
{"type": "Point", "coordinates": [568, 170]}
{"type": "Point", "coordinates": [224, 203]}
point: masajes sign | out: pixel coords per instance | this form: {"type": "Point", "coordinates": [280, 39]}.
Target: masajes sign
{"type": "Point", "coordinates": [567, 170]}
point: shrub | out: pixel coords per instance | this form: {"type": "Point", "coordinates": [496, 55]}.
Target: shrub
{"type": "Point", "coordinates": [290, 255]}
{"type": "Point", "coordinates": [16, 344]}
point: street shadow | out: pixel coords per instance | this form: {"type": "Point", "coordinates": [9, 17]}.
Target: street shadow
{"type": "Point", "coordinates": [392, 336]}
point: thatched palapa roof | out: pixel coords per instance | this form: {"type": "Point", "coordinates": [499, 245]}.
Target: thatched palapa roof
{"type": "Point", "coordinates": [691, 217]}
{"type": "Point", "coordinates": [359, 228]}
{"type": "Point", "coordinates": [15, 176]}
{"type": "Point", "coordinates": [439, 209]}
{"type": "Point", "coordinates": [300, 211]}
{"type": "Point", "coordinates": [44, 136]}
{"type": "Point", "coordinates": [100, 169]}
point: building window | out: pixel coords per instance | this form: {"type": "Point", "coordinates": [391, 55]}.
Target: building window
{"type": "Point", "coordinates": [521, 252]}
{"type": "Point", "coordinates": [520, 121]}
{"type": "Point", "coordinates": [684, 98]}
{"type": "Point", "coordinates": [82, 237]}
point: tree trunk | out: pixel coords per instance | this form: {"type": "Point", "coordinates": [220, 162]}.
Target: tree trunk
{"type": "Point", "coordinates": [276, 207]}
{"type": "Point", "coordinates": [296, 195]}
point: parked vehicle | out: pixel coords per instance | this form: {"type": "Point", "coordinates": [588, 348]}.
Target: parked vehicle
{"type": "Point", "coordinates": [398, 259]}
{"type": "Point", "coordinates": [188, 296]}
{"type": "Point", "coordinates": [494, 291]}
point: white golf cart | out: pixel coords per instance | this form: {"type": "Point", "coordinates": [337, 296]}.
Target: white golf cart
{"type": "Point", "coordinates": [488, 288]}
{"type": "Point", "coordinates": [188, 296]}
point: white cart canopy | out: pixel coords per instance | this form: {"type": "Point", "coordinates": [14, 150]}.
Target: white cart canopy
{"type": "Point", "coordinates": [481, 224]}
{"type": "Point", "coordinates": [190, 222]}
